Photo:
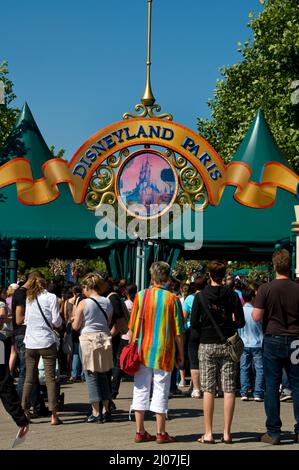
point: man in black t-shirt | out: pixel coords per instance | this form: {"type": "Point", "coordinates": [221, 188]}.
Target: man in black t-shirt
{"type": "Point", "coordinates": [277, 305]}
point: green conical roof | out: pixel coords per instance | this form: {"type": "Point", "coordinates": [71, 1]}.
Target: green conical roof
{"type": "Point", "coordinates": [26, 141]}
{"type": "Point", "coordinates": [259, 147]}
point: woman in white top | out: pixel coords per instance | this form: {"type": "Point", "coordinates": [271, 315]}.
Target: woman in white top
{"type": "Point", "coordinates": [93, 317]}
{"type": "Point", "coordinates": [41, 316]}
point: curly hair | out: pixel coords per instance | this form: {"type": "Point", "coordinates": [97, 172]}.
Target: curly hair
{"type": "Point", "coordinates": [36, 285]}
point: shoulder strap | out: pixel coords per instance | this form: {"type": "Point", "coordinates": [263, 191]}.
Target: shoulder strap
{"type": "Point", "coordinates": [141, 313]}
{"type": "Point", "coordinates": [43, 315]}
{"type": "Point", "coordinates": [101, 308]}
{"type": "Point", "coordinates": [202, 298]}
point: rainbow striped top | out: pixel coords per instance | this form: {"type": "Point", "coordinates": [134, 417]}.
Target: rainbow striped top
{"type": "Point", "coordinates": [162, 322]}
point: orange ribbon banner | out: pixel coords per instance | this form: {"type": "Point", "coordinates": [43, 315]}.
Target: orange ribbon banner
{"type": "Point", "coordinates": [215, 174]}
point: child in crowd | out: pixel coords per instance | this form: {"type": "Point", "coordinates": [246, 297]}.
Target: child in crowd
{"type": "Point", "coordinates": [252, 336]}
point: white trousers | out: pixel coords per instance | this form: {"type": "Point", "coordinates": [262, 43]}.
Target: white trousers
{"type": "Point", "coordinates": [142, 388]}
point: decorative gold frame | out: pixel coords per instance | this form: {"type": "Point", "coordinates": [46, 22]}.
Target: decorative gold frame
{"type": "Point", "coordinates": [104, 193]}
{"type": "Point", "coordinates": [190, 188]}
{"type": "Point", "coordinates": [133, 155]}
{"type": "Point", "coordinates": [191, 185]}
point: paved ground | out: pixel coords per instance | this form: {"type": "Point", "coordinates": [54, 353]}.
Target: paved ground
{"type": "Point", "coordinates": [185, 422]}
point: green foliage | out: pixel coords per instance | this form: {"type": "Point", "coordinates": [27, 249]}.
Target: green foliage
{"type": "Point", "coordinates": [186, 269]}
{"type": "Point", "coordinates": [96, 265]}
{"type": "Point", "coordinates": [79, 267]}
{"type": "Point", "coordinates": [262, 80]}
{"type": "Point", "coordinates": [57, 266]}
{"type": "Point", "coordinates": [43, 269]}
{"type": "Point", "coordinates": [259, 276]}
{"type": "Point", "coordinates": [58, 154]}
{"type": "Point", "coordinates": [7, 115]}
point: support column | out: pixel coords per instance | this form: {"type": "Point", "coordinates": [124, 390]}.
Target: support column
{"type": "Point", "coordinates": [138, 265]}
{"type": "Point", "coordinates": [13, 261]}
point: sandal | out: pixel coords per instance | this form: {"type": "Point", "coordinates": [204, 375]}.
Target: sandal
{"type": "Point", "coordinates": [164, 438]}
{"type": "Point", "coordinates": [202, 440]}
{"type": "Point", "coordinates": [226, 441]}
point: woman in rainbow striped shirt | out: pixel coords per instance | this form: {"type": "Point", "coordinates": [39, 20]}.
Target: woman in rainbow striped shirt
{"type": "Point", "coordinates": [162, 328]}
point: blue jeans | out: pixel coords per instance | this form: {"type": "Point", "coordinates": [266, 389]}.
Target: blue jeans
{"type": "Point", "coordinates": [98, 386]}
{"type": "Point", "coordinates": [285, 384]}
{"type": "Point", "coordinates": [252, 356]}
{"type": "Point", "coordinates": [76, 362]}
{"type": "Point", "coordinates": [279, 352]}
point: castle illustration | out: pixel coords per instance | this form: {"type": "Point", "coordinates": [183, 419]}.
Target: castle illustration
{"type": "Point", "coordinates": [146, 191]}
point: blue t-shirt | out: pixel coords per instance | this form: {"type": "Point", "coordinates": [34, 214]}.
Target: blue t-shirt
{"type": "Point", "coordinates": [187, 307]}
{"type": "Point", "coordinates": [252, 333]}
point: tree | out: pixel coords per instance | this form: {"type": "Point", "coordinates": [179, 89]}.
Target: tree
{"type": "Point", "coordinates": [56, 154]}
{"type": "Point", "coordinates": [186, 270]}
{"type": "Point", "coordinates": [7, 114]}
{"type": "Point", "coordinates": [262, 80]}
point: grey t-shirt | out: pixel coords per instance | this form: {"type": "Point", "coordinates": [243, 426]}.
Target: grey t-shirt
{"type": "Point", "coordinates": [93, 318]}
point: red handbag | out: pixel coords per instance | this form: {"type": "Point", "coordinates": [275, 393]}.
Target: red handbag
{"type": "Point", "coordinates": [129, 358]}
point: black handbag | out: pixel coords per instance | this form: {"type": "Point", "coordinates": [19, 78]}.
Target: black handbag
{"type": "Point", "coordinates": [235, 345]}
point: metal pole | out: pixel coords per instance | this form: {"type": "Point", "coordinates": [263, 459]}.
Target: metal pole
{"type": "Point", "coordinates": [142, 264]}
{"type": "Point", "coordinates": [148, 97]}
{"type": "Point", "coordinates": [13, 262]}
{"type": "Point", "coordinates": [137, 275]}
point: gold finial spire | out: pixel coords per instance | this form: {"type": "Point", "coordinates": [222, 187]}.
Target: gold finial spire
{"type": "Point", "coordinates": [148, 97]}
{"type": "Point", "coordinates": [147, 105]}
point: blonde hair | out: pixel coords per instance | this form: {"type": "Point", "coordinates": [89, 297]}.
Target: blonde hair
{"type": "Point", "coordinates": [35, 286]}
{"type": "Point", "coordinates": [160, 272]}
{"type": "Point", "coordinates": [93, 282]}
{"type": "Point", "coordinates": [10, 291]}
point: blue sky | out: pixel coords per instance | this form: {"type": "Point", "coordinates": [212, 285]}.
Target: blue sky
{"type": "Point", "coordinates": [81, 64]}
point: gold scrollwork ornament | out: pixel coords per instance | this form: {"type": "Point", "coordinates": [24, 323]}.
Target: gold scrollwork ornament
{"type": "Point", "coordinates": [148, 111]}
{"type": "Point", "coordinates": [190, 180]}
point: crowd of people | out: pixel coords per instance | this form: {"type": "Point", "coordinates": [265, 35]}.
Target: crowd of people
{"type": "Point", "coordinates": [81, 331]}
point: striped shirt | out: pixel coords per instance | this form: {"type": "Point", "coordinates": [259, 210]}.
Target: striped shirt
{"type": "Point", "coordinates": [162, 322]}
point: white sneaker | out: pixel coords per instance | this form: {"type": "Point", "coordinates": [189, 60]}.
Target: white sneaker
{"type": "Point", "coordinates": [259, 399]}
{"type": "Point", "coordinates": [195, 394]}
{"type": "Point", "coordinates": [182, 385]}
{"type": "Point", "coordinates": [244, 398]}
